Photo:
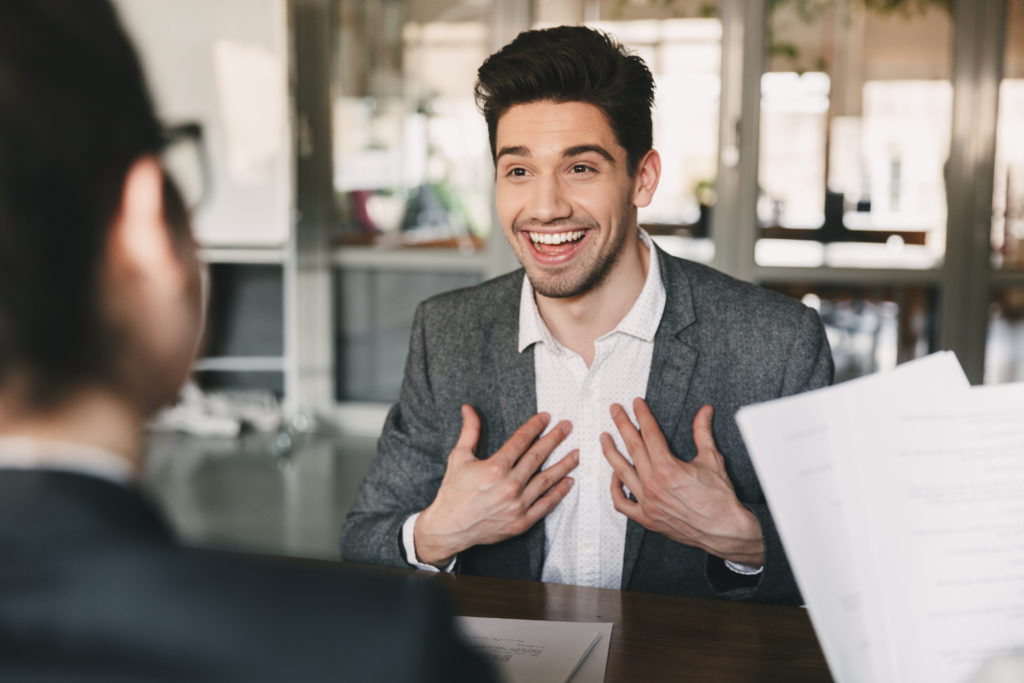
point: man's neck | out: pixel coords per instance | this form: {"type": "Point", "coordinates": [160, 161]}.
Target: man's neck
{"type": "Point", "coordinates": [90, 417]}
{"type": "Point", "coordinates": [578, 322]}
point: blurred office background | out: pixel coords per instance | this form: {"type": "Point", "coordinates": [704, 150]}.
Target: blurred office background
{"type": "Point", "coordinates": [864, 156]}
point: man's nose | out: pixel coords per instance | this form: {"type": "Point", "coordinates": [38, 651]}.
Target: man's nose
{"type": "Point", "coordinates": [549, 202]}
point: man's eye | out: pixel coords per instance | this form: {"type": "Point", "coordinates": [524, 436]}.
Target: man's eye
{"type": "Point", "coordinates": [582, 168]}
{"type": "Point", "coordinates": [517, 171]}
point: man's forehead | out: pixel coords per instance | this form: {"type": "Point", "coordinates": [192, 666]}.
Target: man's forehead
{"type": "Point", "coordinates": [553, 127]}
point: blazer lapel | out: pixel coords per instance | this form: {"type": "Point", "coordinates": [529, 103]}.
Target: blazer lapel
{"type": "Point", "coordinates": [516, 391]}
{"type": "Point", "coordinates": [672, 367]}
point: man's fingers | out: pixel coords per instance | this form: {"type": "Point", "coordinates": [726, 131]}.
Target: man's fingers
{"type": "Point", "coordinates": [548, 501]}
{"type": "Point", "coordinates": [651, 432]}
{"type": "Point", "coordinates": [620, 466]}
{"type": "Point", "coordinates": [703, 437]}
{"type": "Point", "coordinates": [545, 479]}
{"type": "Point", "coordinates": [622, 503]}
{"type": "Point", "coordinates": [631, 438]}
{"type": "Point", "coordinates": [465, 447]}
{"type": "Point", "coordinates": [538, 453]}
{"type": "Point", "coordinates": [521, 439]}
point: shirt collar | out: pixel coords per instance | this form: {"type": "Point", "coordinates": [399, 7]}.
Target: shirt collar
{"type": "Point", "coordinates": [27, 453]}
{"type": "Point", "coordinates": [641, 321]}
{"type": "Point", "coordinates": [531, 327]}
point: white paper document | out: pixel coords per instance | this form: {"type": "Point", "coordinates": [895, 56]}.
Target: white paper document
{"type": "Point", "coordinates": [529, 651]}
{"type": "Point", "coordinates": [900, 500]}
{"type": "Point", "coordinates": [954, 522]}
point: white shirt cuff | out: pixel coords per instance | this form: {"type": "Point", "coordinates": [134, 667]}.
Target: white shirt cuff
{"type": "Point", "coordinates": [744, 569]}
{"type": "Point", "coordinates": [409, 543]}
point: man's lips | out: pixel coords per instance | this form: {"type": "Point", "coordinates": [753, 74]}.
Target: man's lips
{"type": "Point", "coordinates": [555, 248]}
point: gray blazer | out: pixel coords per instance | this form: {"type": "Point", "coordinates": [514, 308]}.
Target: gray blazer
{"type": "Point", "coordinates": [721, 341]}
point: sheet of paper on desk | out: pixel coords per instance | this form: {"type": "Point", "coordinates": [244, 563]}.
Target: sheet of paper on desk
{"type": "Point", "coordinates": [799, 446]}
{"type": "Point", "coordinates": [533, 651]}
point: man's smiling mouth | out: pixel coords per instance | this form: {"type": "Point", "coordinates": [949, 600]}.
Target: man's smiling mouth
{"type": "Point", "coordinates": [556, 237]}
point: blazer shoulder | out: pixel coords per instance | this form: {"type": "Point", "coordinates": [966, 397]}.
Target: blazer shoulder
{"type": "Point", "coordinates": [714, 290]}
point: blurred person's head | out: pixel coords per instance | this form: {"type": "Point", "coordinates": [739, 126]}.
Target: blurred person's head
{"type": "Point", "coordinates": [98, 278]}
{"type": "Point", "coordinates": [571, 64]}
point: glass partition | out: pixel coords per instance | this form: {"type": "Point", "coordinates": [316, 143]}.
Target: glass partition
{"type": "Point", "coordinates": [412, 176]}
{"type": "Point", "coordinates": [411, 161]}
{"type": "Point", "coordinates": [856, 108]}
{"type": "Point", "coordinates": [1008, 190]}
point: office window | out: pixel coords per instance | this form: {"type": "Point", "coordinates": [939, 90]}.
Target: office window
{"type": "Point", "coordinates": [856, 108]}
{"type": "Point", "coordinates": [411, 161]}
{"type": "Point", "coordinates": [1008, 188]}
{"type": "Point", "coordinates": [412, 176]}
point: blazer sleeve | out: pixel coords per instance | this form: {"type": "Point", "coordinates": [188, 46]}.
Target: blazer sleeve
{"type": "Point", "coordinates": [407, 472]}
{"type": "Point", "coordinates": [809, 366]}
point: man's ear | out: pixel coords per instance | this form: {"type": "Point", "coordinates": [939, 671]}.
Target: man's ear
{"type": "Point", "coordinates": [140, 247]}
{"type": "Point", "coordinates": [646, 181]}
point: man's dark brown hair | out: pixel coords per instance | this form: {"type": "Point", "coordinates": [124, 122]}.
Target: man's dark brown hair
{"type": "Point", "coordinates": [571, 64]}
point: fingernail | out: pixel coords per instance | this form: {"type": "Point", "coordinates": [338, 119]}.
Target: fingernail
{"type": "Point", "coordinates": [566, 427]}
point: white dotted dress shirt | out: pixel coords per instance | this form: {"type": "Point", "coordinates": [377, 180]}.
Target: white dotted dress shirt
{"type": "Point", "coordinates": [585, 535]}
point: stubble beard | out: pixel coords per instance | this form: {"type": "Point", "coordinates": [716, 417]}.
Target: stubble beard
{"type": "Point", "coordinates": [586, 278]}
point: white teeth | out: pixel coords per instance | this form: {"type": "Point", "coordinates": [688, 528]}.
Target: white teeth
{"type": "Point", "coordinates": [556, 238]}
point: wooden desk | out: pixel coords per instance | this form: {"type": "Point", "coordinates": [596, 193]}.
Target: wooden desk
{"type": "Point", "coordinates": [660, 637]}
{"type": "Point", "coordinates": [655, 637]}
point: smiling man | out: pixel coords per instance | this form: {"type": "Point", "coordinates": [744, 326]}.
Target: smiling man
{"type": "Point", "coordinates": [521, 446]}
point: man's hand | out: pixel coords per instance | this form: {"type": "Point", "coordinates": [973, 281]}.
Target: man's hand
{"type": "Point", "coordinates": [690, 502]}
{"type": "Point", "coordinates": [486, 501]}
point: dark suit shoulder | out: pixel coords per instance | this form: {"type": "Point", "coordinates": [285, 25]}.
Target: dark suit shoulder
{"type": "Point", "coordinates": [335, 621]}
{"type": "Point", "coordinates": [714, 288]}
{"type": "Point", "coordinates": [727, 307]}
{"type": "Point", "coordinates": [84, 597]}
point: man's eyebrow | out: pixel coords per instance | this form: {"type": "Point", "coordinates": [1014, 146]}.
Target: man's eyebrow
{"type": "Point", "coordinates": [583, 149]}
{"type": "Point", "coordinates": [515, 150]}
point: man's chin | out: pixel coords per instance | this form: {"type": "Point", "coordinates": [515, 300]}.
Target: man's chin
{"type": "Point", "coordinates": [560, 287]}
